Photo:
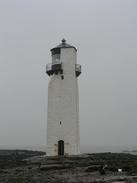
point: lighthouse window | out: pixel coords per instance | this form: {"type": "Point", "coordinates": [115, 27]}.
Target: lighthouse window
{"type": "Point", "coordinates": [60, 122]}
{"type": "Point", "coordinates": [55, 51]}
{"type": "Point", "coordinates": [62, 77]}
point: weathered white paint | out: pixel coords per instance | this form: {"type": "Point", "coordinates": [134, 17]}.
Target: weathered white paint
{"type": "Point", "coordinates": [63, 106]}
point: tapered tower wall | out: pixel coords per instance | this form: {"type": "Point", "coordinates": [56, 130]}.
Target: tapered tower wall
{"type": "Point", "coordinates": [63, 109]}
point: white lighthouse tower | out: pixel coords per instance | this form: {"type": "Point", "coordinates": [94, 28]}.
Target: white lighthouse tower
{"type": "Point", "coordinates": [63, 101]}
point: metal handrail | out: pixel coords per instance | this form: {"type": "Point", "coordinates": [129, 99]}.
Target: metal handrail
{"type": "Point", "coordinates": [56, 63]}
{"type": "Point", "coordinates": [78, 67]}
{"type": "Point", "coordinates": [48, 67]}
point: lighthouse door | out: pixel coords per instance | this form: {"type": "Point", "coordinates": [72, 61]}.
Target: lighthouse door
{"type": "Point", "coordinates": [60, 148]}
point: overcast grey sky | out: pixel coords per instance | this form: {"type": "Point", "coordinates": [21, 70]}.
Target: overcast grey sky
{"type": "Point", "coordinates": [105, 34]}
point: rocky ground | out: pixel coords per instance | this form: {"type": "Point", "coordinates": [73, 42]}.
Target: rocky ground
{"type": "Point", "coordinates": [34, 167]}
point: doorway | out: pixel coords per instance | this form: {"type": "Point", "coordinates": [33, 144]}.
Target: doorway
{"type": "Point", "coordinates": [60, 148]}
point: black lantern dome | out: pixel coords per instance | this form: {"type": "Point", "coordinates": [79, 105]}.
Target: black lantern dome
{"type": "Point", "coordinates": [56, 50]}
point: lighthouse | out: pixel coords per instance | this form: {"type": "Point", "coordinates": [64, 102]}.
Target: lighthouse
{"type": "Point", "coordinates": [63, 101]}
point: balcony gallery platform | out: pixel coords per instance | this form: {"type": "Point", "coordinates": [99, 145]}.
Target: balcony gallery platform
{"type": "Point", "coordinates": [56, 68]}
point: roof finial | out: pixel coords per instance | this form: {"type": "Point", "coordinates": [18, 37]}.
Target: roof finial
{"type": "Point", "coordinates": [63, 41]}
